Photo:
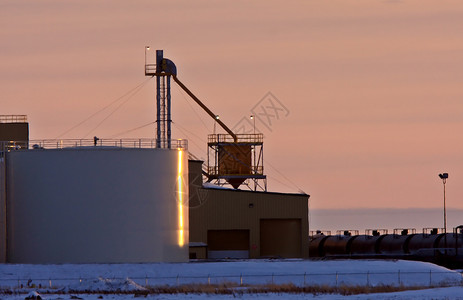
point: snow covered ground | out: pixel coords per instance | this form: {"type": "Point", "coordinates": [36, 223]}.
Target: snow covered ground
{"type": "Point", "coordinates": [134, 277]}
{"type": "Point", "coordinates": [451, 293]}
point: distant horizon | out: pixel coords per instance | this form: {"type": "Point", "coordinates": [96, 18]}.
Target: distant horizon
{"type": "Point", "coordinates": [383, 218]}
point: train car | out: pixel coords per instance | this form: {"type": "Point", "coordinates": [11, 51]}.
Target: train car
{"type": "Point", "coordinates": [316, 244]}
{"type": "Point", "coordinates": [454, 242]}
{"type": "Point", "coordinates": [338, 244]}
{"type": "Point", "coordinates": [367, 244]}
{"type": "Point", "coordinates": [396, 243]}
{"type": "Point", "coordinates": [424, 243]}
{"type": "Point", "coordinates": [431, 245]}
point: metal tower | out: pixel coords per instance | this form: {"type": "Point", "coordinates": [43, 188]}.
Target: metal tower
{"type": "Point", "coordinates": [233, 159]}
{"type": "Point", "coordinates": [163, 69]}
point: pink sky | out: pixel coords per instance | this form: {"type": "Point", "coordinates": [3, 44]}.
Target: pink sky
{"type": "Point", "coordinates": [373, 88]}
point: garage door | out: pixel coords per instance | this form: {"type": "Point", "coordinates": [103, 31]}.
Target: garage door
{"type": "Point", "coordinates": [228, 243]}
{"type": "Point", "coordinates": [280, 238]}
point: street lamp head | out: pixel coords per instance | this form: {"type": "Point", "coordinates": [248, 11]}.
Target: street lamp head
{"type": "Point", "coordinates": [444, 175]}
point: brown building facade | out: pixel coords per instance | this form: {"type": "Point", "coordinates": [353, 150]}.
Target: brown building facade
{"type": "Point", "coordinates": [245, 224]}
{"type": "Point", "coordinates": [14, 128]}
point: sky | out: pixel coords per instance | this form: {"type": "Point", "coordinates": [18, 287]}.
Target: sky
{"type": "Point", "coordinates": [366, 94]}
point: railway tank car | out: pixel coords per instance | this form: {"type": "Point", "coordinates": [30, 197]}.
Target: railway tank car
{"type": "Point", "coordinates": [424, 242]}
{"type": "Point", "coordinates": [396, 243]}
{"type": "Point", "coordinates": [317, 242]}
{"type": "Point", "coordinates": [432, 245]}
{"type": "Point", "coordinates": [339, 244]}
{"type": "Point", "coordinates": [366, 244]}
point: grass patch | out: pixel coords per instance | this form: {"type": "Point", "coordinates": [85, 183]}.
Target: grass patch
{"type": "Point", "coordinates": [231, 288]}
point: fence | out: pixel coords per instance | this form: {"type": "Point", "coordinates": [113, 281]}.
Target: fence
{"type": "Point", "coordinates": [399, 278]}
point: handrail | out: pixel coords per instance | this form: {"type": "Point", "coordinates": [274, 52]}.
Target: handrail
{"type": "Point", "coordinates": [253, 138]}
{"type": "Point", "coordinates": [88, 143]}
{"type": "Point", "coordinates": [13, 118]}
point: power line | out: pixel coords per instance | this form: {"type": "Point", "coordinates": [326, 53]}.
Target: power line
{"type": "Point", "coordinates": [102, 109]}
{"type": "Point", "coordinates": [191, 132]}
{"type": "Point", "coordinates": [281, 174]}
{"type": "Point", "coordinates": [282, 183]}
{"type": "Point", "coordinates": [130, 130]}
{"type": "Point", "coordinates": [134, 92]}
{"type": "Point", "coordinates": [189, 140]}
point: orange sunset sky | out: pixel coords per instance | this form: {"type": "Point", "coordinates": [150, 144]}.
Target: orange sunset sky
{"type": "Point", "coordinates": [373, 89]}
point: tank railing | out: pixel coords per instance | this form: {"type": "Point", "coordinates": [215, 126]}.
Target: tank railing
{"type": "Point", "coordinates": [375, 232]}
{"type": "Point", "coordinates": [241, 138]}
{"type": "Point", "coordinates": [458, 230]}
{"type": "Point", "coordinates": [88, 143]}
{"type": "Point", "coordinates": [346, 232]}
{"type": "Point", "coordinates": [404, 231]}
{"type": "Point", "coordinates": [13, 118]}
{"type": "Point", "coordinates": [428, 231]}
{"type": "Point", "coordinates": [319, 232]}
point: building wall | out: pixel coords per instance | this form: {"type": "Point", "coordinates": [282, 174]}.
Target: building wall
{"type": "Point", "coordinates": [2, 211]}
{"type": "Point", "coordinates": [221, 209]}
{"type": "Point", "coordinates": [198, 252]}
{"type": "Point", "coordinates": [14, 131]}
{"type": "Point", "coordinates": [10, 131]}
{"type": "Point", "coordinates": [100, 205]}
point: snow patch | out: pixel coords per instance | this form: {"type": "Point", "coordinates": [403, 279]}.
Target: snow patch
{"type": "Point", "coordinates": [105, 285]}
{"type": "Point", "coordinates": [33, 295]}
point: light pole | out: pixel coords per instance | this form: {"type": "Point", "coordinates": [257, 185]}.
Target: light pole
{"type": "Point", "coordinates": [147, 48]}
{"type": "Point", "coordinates": [253, 149]}
{"type": "Point", "coordinates": [215, 122]}
{"type": "Point", "coordinates": [444, 177]}
{"type": "Point", "coordinates": [252, 118]}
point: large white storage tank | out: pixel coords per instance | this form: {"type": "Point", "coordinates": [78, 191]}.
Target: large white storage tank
{"type": "Point", "coordinates": [97, 205]}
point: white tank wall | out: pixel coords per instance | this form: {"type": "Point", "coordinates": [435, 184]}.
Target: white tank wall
{"type": "Point", "coordinates": [96, 206]}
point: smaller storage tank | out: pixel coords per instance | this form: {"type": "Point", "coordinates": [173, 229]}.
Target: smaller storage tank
{"type": "Point", "coordinates": [454, 240]}
{"type": "Point", "coordinates": [367, 244]}
{"type": "Point", "coordinates": [426, 240]}
{"type": "Point", "coordinates": [397, 243]}
{"type": "Point", "coordinates": [316, 244]}
{"type": "Point", "coordinates": [338, 244]}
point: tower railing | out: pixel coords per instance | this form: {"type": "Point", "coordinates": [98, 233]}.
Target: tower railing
{"type": "Point", "coordinates": [255, 170]}
{"type": "Point", "coordinates": [150, 69]}
{"type": "Point", "coordinates": [13, 118]}
{"type": "Point", "coordinates": [241, 138]}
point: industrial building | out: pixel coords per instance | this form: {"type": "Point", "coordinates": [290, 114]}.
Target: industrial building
{"type": "Point", "coordinates": [142, 200]}
{"type": "Point", "coordinates": [230, 223]}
